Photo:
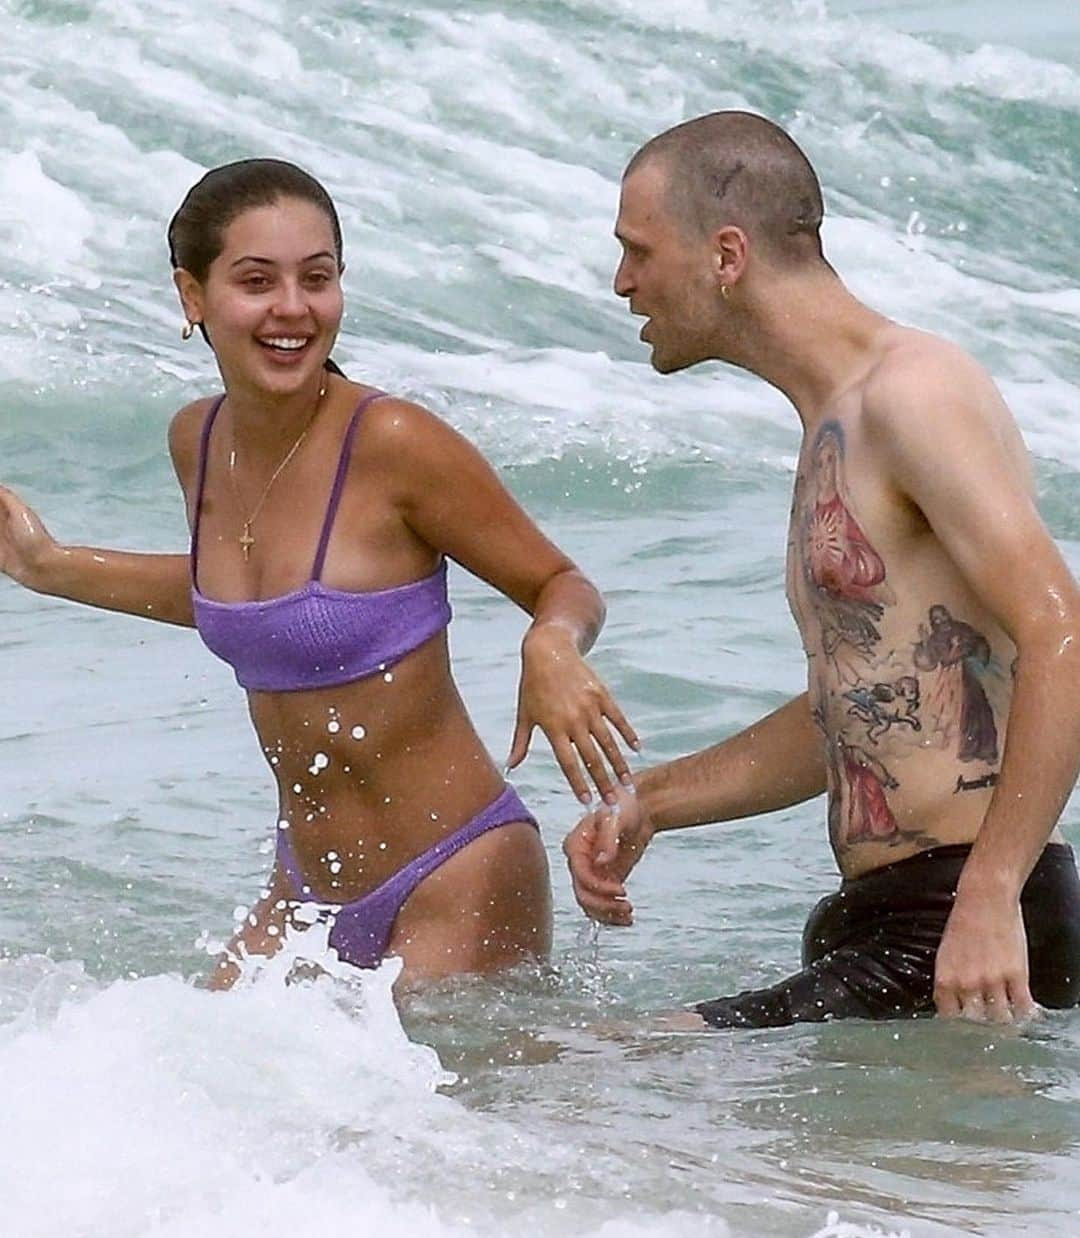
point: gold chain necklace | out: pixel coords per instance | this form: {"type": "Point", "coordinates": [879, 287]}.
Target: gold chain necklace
{"type": "Point", "coordinates": [246, 539]}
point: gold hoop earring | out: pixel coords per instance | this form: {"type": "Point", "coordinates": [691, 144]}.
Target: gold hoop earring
{"type": "Point", "coordinates": [725, 292]}
{"type": "Point", "coordinates": [188, 330]}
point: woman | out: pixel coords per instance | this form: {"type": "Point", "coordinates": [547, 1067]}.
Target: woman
{"type": "Point", "coordinates": [322, 513]}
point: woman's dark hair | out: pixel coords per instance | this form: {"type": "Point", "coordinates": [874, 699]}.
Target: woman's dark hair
{"type": "Point", "coordinates": [197, 231]}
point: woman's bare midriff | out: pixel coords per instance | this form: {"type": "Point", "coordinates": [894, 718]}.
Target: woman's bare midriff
{"type": "Point", "coordinates": [372, 773]}
{"type": "Point", "coordinates": [387, 766]}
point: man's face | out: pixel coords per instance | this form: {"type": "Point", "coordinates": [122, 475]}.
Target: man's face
{"type": "Point", "coordinates": [665, 274]}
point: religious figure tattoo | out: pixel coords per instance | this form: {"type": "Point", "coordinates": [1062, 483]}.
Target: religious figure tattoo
{"type": "Point", "coordinates": [844, 572]}
{"type": "Point", "coordinates": [868, 815]}
{"type": "Point", "coordinates": [956, 706]}
{"type": "Point", "coordinates": [880, 696]}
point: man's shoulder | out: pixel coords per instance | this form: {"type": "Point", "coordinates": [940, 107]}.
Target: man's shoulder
{"type": "Point", "coordinates": [917, 368]}
{"type": "Point", "coordinates": [924, 389]}
{"type": "Point", "coordinates": [926, 401]}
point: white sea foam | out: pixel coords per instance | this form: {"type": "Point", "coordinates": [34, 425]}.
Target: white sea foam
{"type": "Point", "coordinates": [44, 226]}
{"type": "Point", "coordinates": [836, 1228]}
{"type": "Point", "coordinates": [149, 1107]}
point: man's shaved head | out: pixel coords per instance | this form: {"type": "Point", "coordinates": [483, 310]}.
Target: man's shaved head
{"type": "Point", "coordinates": [738, 168]}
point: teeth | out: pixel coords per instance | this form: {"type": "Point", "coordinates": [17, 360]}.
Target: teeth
{"type": "Point", "coordinates": [286, 343]}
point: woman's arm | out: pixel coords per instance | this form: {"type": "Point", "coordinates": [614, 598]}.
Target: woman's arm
{"type": "Point", "coordinates": [155, 586]}
{"type": "Point", "coordinates": [559, 692]}
{"type": "Point", "coordinates": [151, 585]}
{"type": "Point", "coordinates": [451, 497]}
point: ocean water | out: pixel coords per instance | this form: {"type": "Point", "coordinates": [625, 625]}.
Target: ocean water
{"type": "Point", "coordinates": [475, 153]}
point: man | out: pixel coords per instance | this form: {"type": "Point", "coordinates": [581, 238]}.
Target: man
{"type": "Point", "coordinates": [935, 610]}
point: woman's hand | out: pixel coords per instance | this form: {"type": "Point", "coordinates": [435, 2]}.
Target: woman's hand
{"type": "Point", "coordinates": [601, 850]}
{"type": "Point", "coordinates": [563, 696]}
{"type": "Point", "coordinates": [25, 543]}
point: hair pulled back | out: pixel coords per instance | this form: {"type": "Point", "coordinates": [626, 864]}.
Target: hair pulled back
{"type": "Point", "coordinates": [197, 230]}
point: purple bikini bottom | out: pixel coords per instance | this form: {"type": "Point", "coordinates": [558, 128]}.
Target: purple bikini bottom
{"type": "Point", "coordinates": [360, 931]}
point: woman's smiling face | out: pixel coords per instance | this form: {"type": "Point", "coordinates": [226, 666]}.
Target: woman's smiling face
{"type": "Point", "coordinates": [272, 301]}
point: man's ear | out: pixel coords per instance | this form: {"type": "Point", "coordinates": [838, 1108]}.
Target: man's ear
{"type": "Point", "coordinates": [730, 251]}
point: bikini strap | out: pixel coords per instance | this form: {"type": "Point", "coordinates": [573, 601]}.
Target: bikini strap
{"type": "Point", "coordinates": [204, 451]}
{"type": "Point", "coordinates": [339, 483]}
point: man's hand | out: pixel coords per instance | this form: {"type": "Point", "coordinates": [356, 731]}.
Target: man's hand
{"type": "Point", "coordinates": [601, 850]}
{"type": "Point", "coordinates": [981, 971]}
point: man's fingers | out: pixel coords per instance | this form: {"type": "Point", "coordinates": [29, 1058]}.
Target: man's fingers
{"type": "Point", "coordinates": [607, 910]}
{"type": "Point", "coordinates": [986, 1004]}
{"type": "Point", "coordinates": [973, 1006]}
{"type": "Point", "coordinates": [581, 838]}
{"type": "Point", "coordinates": [1023, 1005]}
{"type": "Point", "coordinates": [997, 1005]}
{"type": "Point", "coordinates": [582, 849]}
{"type": "Point", "coordinates": [601, 899]}
{"type": "Point", "coordinates": [586, 875]}
{"type": "Point", "coordinates": [1007, 1000]}
{"type": "Point", "coordinates": [608, 830]}
{"type": "Point", "coordinates": [947, 1001]}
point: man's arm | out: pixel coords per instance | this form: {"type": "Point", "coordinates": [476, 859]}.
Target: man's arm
{"type": "Point", "coordinates": [973, 490]}
{"type": "Point", "coordinates": [770, 765]}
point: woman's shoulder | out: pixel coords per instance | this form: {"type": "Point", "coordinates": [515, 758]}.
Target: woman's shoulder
{"type": "Point", "coordinates": [394, 424]}
{"type": "Point", "coordinates": [190, 419]}
{"type": "Point", "coordinates": [185, 431]}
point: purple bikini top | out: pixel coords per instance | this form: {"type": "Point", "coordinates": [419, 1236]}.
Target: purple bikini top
{"type": "Point", "coordinates": [315, 637]}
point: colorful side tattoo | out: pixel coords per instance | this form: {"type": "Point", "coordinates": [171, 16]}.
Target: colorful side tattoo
{"type": "Point", "coordinates": [880, 705]}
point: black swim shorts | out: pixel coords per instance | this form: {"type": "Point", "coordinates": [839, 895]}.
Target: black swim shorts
{"type": "Point", "coordinates": [869, 949]}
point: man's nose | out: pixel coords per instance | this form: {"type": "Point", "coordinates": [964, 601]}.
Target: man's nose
{"type": "Point", "coordinates": [623, 284]}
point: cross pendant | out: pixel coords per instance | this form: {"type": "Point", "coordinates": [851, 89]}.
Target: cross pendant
{"type": "Point", "coordinates": [246, 541]}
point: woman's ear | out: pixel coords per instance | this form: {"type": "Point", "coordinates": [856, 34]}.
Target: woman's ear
{"type": "Point", "coordinates": [191, 295]}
